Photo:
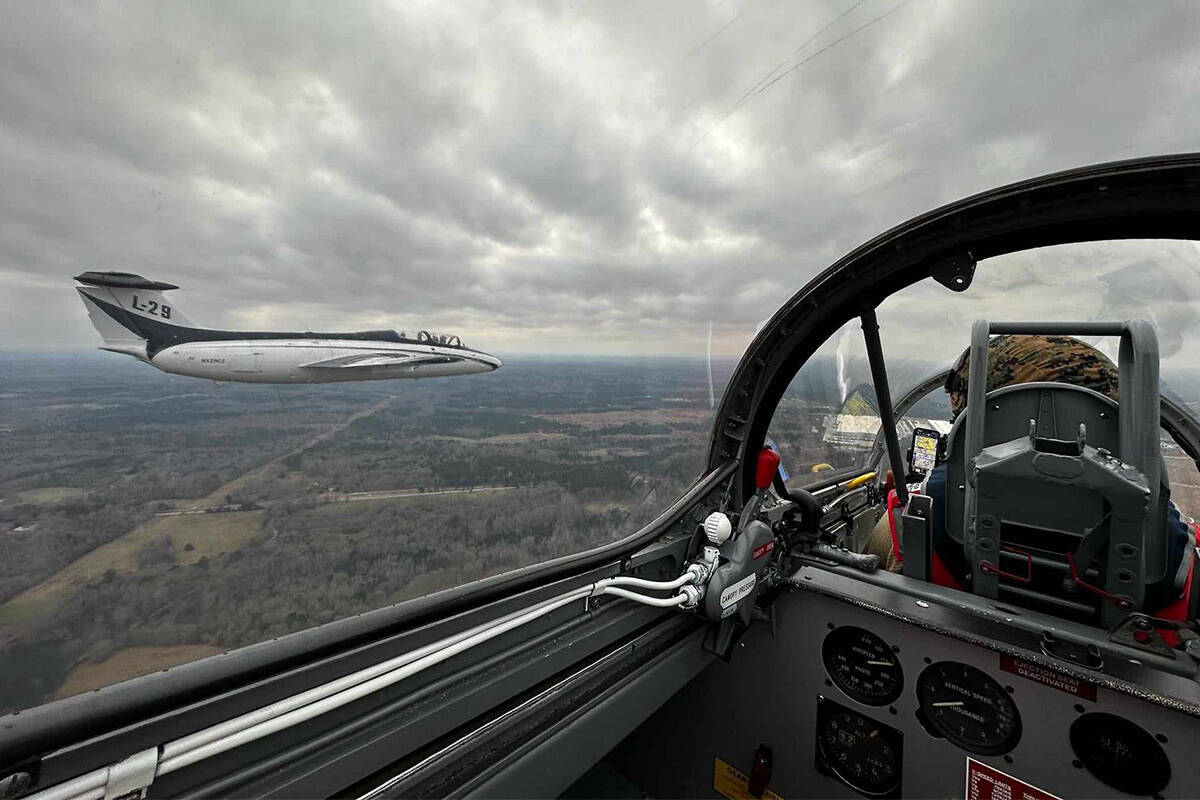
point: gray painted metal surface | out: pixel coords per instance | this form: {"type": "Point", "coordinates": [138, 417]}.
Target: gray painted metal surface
{"type": "Point", "coordinates": [557, 760]}
{"type": "Point", "coordinates": [769, 692]}
{"type": "Point", "coordinates": [1134, 547]}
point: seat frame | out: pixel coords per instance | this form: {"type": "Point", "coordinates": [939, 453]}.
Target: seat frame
{"type": "Point", "coordinates": [1135, 554]}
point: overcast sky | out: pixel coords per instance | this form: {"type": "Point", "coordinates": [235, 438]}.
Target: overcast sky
{"type": "Point", "coordinates": [575, 177]}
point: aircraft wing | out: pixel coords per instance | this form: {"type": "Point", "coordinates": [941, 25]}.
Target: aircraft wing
{"type": "Point", "coordinates": [360, 360]}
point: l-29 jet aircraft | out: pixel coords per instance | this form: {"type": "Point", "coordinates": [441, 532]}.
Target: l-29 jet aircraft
{"type": "Point", "coordinates": [134, 318]}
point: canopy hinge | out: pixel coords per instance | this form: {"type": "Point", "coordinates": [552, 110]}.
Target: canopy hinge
{"type": "Point", "coordinates": [955, 272]}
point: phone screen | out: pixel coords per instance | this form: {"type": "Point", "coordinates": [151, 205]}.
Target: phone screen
{"type": "Point", "coordinates": [924, 453]}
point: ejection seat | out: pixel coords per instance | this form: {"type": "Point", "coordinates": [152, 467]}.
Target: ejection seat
{"type": "Point", "coordinates": [1053, 495]}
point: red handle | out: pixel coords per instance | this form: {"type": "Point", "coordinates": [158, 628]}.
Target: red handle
{"type": "Point", "coordinates": [768, 465]}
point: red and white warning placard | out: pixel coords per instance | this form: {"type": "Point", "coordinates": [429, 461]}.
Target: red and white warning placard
{"type": "Point", "coordinates": [987, 783]}
{"type": "Point", "coordinates": [1048, 677]}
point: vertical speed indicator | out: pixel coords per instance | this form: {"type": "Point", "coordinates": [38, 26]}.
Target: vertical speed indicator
{"type": "Point", "coordinates": [964, 705]}
{"type": "Point", "coordinates": [862, 665]}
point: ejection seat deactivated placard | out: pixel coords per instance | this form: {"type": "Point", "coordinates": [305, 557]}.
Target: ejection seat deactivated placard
{"type": "Point", "coordinates": [1048, 677]}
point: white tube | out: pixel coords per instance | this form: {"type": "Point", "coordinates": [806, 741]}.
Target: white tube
{"type": "Point", "coordinates": [296, 716]}
{"type": "Point", "coordinates": [298, 708]}
{"type": "Point", "coordinates": [186, 744]}
{"type": "Point", "coordinates": [642, 583]}
{"type": "Point", "coordinates": [662, 602]}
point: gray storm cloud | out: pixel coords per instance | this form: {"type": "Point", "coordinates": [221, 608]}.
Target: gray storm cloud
{"type": "Point", "coordinates": [561, 178]}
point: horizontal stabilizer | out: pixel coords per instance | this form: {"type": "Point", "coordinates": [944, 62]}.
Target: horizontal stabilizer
{"type": "Point", "coordinates": [380, 360]}
{"type": "Point", "coordinates": [122, 280]}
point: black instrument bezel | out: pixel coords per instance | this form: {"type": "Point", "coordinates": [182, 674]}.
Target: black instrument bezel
{"type": "Point", "coordinates": [1011, 739]}
{"type": "Point", "coordinates": [894, 738]}
{"type": "Point", "coordinates": [1150, 770]}
{"type": "Point", "coordinates": [834, 639]}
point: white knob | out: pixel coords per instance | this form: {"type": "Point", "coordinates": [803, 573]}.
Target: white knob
{"type": "Point", "coordinates": [717, 527]}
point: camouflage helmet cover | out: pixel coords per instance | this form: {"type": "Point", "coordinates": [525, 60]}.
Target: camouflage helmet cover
{"type": "Point", "coordinates": [1016, 359]}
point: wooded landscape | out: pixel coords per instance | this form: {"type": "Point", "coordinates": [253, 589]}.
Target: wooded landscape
{"type": "Point", "coordinates": [145, 510]}
{"type": "Point", "coordinates": [149, 519]}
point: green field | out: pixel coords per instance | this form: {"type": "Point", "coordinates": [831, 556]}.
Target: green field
{"type": "Point", "coordinates": [48, 495]}
{"type": "Point", "coordinates": [208, 534]}
{"type": "Point", "coordinates": [129, 663]}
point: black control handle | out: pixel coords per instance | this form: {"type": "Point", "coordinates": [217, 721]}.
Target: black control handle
{"type": "Point", "coordinates": [866, 562]}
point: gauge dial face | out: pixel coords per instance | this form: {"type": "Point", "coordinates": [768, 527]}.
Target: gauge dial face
{"type": "Point", "coordinates": [968, 708]}
{"type": "Point", "coordinates": [862, 665]}
{"type": "Point", "coordinates": [862, 753]}
{"type": "Point", "coordinates": [1120, 753]}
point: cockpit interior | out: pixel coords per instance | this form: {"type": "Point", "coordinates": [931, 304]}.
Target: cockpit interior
{"type": "Point", "coordinates": [885, 596]}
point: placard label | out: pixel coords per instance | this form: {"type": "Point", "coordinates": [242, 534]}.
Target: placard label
{"type": "Point", "coordinates": [739, 590]}
{"type": "Point", "coordinates": [986, 783]}
{"type": "Point", "coordinates": [734, 784]}
{"type": "Point", "coordinates": [1048, 677]}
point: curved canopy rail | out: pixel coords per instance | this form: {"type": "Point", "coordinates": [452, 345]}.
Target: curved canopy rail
{"type": "Point", "coordinates": [1150, 198]}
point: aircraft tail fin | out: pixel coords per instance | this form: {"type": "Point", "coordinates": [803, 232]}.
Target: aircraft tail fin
{"type": "Point", "coordinates": [127, 309]}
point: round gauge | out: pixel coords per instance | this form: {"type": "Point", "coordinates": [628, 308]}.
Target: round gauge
{"type": "Point", "coordinates": [1120, 754]}
{"type": "Point", "coordinates": [862, 665]}
{"type": "Point", "coordinates": [859, 751]}
{"type": "Point", "coordinates": [964, 705]}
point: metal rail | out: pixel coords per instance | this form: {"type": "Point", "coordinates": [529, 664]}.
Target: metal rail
{"type": "Point", "coordinates": [140, 769]}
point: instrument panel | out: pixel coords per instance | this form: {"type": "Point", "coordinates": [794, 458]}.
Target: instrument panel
{"type": "Point", "coordinates": [859, 743]}
{"type": "Point", "coordinates": [1005, 724]}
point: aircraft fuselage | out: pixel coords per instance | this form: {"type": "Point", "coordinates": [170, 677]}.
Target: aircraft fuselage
{"type": "Point", "coordinates": [285, 360]}
{"type": "Point", "coordinates": [134, 318]}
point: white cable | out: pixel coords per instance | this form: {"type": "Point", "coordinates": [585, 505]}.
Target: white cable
{"type": "Point", "coordinates": [642, 583]}
{"type": "Point", "coordinates": [269, 719]}
{"type": "Point", "coordinates": [293, 710]}
{"type": "Point", "coordinates": [283, 721]}
{"type": "Point", "coordinates": [662, 602]}
{"type": "Point", "coordinates": [186, 744]}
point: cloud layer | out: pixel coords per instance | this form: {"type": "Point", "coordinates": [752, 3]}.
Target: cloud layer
{"type": "Point", "coordinates": [562, 177]}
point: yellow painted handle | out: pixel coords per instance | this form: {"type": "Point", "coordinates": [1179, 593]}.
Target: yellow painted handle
{"type": "Point", "coordinates": [854, 483]}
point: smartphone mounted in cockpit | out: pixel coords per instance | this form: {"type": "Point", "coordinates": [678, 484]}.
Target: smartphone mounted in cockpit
{"type": "Point", "coordinates": [924, 453]}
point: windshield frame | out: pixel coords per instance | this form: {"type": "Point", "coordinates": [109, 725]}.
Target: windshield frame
{"type": "Point", "coordinates": [1147, 198]}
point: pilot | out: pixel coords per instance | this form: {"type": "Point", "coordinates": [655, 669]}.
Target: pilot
{"type": "Point", "coordinates": [1014, 359]}
{"type": "Point", "coordinates": [1026, 359]}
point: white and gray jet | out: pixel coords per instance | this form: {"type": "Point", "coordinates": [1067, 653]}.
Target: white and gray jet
{"type": "Point", "coordinates": [134, 318]}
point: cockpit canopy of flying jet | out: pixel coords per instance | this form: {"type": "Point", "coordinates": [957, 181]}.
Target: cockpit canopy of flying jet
{"type": "Point", "coordinates": [905, 571]}
{"type": "Point", "coordinates": [430, 337]}
{"type": "Point", "coordinates": [440, 339]}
